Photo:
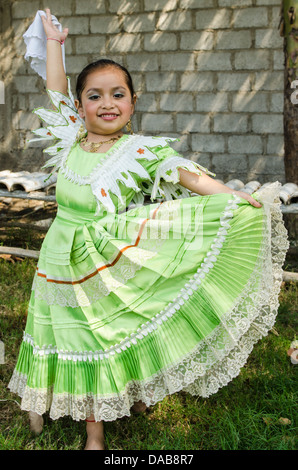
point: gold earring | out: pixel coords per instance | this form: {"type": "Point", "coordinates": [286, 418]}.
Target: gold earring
{"type": "Point", "coordinates": [81, 133]}
{"type": "Point", "coordinates": [129, 127]}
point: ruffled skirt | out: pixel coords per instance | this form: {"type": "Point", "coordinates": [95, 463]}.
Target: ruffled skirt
{"type": "Point", "coordinates": [135, 306]}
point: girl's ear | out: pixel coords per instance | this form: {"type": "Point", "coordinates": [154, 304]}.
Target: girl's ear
{"type": "Point", "coordinates": [79, 108]}
{"type": "Point", "coordinates": [133, 102]}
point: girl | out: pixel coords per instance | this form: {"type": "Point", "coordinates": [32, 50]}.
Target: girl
{"type": "Point", "coordinates": [128, 306]}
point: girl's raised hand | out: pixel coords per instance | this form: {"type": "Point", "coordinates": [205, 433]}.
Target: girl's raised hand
{"type": "Point", "coordinates": [51, 30]}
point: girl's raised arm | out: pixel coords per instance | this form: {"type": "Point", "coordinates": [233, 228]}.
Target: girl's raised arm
{"type": "Point", "coordinates": [56, 77]}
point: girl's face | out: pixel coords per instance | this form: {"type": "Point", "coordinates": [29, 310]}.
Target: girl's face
{"type": "Point", "coordinates": [106, 102]}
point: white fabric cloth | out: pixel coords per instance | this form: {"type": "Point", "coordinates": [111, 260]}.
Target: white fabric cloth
{"type": "Point", "coordinates": [36, 44]}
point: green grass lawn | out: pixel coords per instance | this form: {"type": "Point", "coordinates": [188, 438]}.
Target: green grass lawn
{"type": "Point", "coordinates": [256, 411]}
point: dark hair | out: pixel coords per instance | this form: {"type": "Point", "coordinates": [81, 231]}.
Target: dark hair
{"type": "Point", "coordinates": [100, 64]}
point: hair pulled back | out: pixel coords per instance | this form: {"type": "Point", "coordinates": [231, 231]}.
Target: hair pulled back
{"type": "Point", "coordinates": [101, 64]}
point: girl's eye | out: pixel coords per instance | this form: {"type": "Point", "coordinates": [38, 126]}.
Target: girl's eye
{"type": "Point", "coordinates": [93, 97]}
{"type": "Point", "coordinates": [118, 95]}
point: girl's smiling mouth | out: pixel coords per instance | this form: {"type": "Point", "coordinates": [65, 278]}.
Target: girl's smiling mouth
{"type": "Point", "coordinates": [108, 116]}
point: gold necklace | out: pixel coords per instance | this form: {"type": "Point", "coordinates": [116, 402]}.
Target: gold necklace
{"type": "Point", "coordinates": [95, 145]}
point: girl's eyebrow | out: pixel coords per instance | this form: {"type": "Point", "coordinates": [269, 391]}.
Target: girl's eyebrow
{"type": "Point", "coordinates": [120, 87]}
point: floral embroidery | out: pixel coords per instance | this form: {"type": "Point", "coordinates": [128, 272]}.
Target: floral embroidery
{"type": "Point", "coordinates": [72, 118]}
{"type": "Point", "coordinates": [62, 102]}
{"type": "Point", "coordinates": [103, 193]}
{"type": "Point", "coordinates": [140, 151]}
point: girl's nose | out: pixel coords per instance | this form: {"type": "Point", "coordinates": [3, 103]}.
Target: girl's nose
{"type": "Point", "coordinates": [107, 102]}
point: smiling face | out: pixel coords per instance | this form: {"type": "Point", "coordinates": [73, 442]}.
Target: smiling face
{"type": "Point", "coordinates": [106, 103]}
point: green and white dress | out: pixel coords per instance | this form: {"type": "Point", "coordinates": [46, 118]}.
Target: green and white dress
{"type": "Point", "coordinates": [135, 302]}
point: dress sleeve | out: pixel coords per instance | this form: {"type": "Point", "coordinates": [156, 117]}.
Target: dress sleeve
{"type": "Point", "coordinates": [61, 126]}
{"type": "Point", "coordinates": [164, 172]}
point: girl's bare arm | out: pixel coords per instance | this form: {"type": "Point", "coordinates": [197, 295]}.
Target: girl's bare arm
{"type": "Point", "coordinates": [205, 185]}
{"type": "Point", "coordinates": [56, 77]}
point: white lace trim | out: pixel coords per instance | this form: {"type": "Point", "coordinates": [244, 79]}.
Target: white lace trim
{"type": "Point", "coordinates": [210, 366]}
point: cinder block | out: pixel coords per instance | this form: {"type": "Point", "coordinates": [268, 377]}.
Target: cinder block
{"type": "Point", "coordinates": [208, 143]}
{"type": "Point", "coordinates": [142, 62]}
{"type": "Point", "coordinates": [124, 42]}
{"type": "Point", "coordinates": [197, 81]}
{"type": "Point", "coordinates": [24, 9]}
{"type": "Point", "coordinates": [139, 23]}
{"type": "Point", "coordinates": [121, 7]}
{"type": "Point", "coordinates": [270, 166]}
{"type": "Point", "coordinates": [216, 61]}
{"type": "Point", "coordinates": [90, 45]}
{"type": "Point", "coordinates": [268, 2]}
{"type": "Point", "coordinates": [75, 24]}
{"type": "Point", "coordinates": [227, 164]}
{"type": "Point", "coordinates": [233, 81]}
{"type": "Point", "coordinates": [213, 19]}
{"type": "Point", "coordinates": [174, 21]}
{"type": "Point", "coordinates": [275, 145]}
{"type": "Point", "coordinates": [251, 102]}
{"type": "Point", "coordinates": [231, 123]}
{"type": "Point", "coordinates": [160, 42]}
{"type": "Point", "coordinates": [249, 144]}
{"type": "Point", "coordinates": [104, 24]}
{"type": "Point", "coordinates": [26, 84]}
{"type": "Point", "coordinates": [268, 38]}
{"type": "Point", "coordinates": [176, 102]}
{"type": "Point", "coordinates": [177, 62]}
{"type": "Point", "coordinates": [252, 60]}
{"type": "Point", "coordinates": [157, 123]}
{"type": "Point", "coordinates": [276, 102]}
{"type": "Point", "coordinates": [231, 3]}
{"type": "Point", "coordinates": [147, 102]}
{"type": "Point", "coordinates": [89, 7]}
{"type": "Point", "coordinates": [193, 123]}
{"type": "Point", "coordinates": [279, 59]}
{"type": "Point", "coordinates": [163, 5]}
{"type": "Point", "coordinates": [250, 17]}
{"type": "Point", "coordinates": [212, 102]}
{"type": "Point", "coordinates": [267, 123]}
{"type": "Point", "coordinates": [161, 81]}
{"type": "Point", "coordinates": [234, 39]}
{"type": "Point", "coordinates": [273, 81]}
{"type": "Point", "coordinates": [58, 8]}
{"type": "Point", "coordinates": [197, 41]}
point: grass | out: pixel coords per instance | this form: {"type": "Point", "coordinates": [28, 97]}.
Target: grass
{"type": "Point", "coordinates": [245, 415]}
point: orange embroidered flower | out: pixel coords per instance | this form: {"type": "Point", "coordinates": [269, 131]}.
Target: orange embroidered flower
{"type": "Point", "coordinates": [72, 118]}
{"type": "Point", "coordinates": [63, 102]}
{"type": "Point", "coordinates": [103, 193]}
{"type": "Point", "coordinates": [141, 151]}
{"type": "Point", "coordinates": [48, 133]}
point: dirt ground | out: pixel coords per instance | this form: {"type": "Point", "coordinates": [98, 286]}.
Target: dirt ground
{"type": "Point", "coordinates": [23, 213]}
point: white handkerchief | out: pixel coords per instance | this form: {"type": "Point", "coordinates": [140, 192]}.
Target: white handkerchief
{"type": "Point", "coordinates": [36, 44]}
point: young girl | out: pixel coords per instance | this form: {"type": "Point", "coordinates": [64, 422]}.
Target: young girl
{"type": "Point", "coordinates": [129, 305]}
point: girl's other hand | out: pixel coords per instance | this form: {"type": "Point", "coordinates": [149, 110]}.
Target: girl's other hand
{"type": "Point", "coordinates": [51, 30]}
{"type": "Point", "coordinates": [249, 198]}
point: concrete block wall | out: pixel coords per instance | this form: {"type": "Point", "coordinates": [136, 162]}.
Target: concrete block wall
{"type": "Point", "coordinates": [207, 71]}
